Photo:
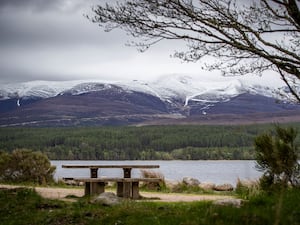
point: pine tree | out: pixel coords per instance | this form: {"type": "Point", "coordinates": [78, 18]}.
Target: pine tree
{"type": "Point", "coordinates": [276, 156]}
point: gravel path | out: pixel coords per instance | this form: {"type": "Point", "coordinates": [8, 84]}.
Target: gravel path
{"type": "Point", "coordinates": [61, 193]}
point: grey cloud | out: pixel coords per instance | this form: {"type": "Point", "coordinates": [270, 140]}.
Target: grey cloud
{"type": "Point", "coordinates": [42, 5]}
{"type": "Point", "coordinates": [59, 29]}
{"type": "Point", "coordinates": [22, 3]}
{"type": "Point", "coordinates": [52, 40]}
{"type": "Point", "coordinates": [17, 76]}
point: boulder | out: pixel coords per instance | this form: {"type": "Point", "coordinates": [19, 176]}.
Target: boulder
{"type": "Point", "coordinates": [71, 182]}
{"type": "Point", "coordinates": [248, 183]}
{"type": "Point", "coordinates": [171, 183]}
{"type": "Point", "coordinates": [189, 181]}
{"type": "Point", "coordinates": [224, 187]}
{"type": "Point", "coordinates": [207, 186]}
{"type": "Point", "coordinates": [107, 199]}
{"type": "Point", "coordinates": [229, 202]}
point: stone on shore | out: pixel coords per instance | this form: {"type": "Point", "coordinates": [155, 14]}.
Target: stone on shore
{"type": "Point", "coordinates": [189, 181]}
{"type": "Point", "coordinates": [107, 199]}
{"type": "Point", "coordinates": [223, 187]}
{"type": "Point", "coordinates": [207, 186]}
{"type": "Point", "coordinates": [171, 183]}
{"type": "Point", "coordinates": [248, 183]}
{"type": "Point", "coordinates": [229, 202]}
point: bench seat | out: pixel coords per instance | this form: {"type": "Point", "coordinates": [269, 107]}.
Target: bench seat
{"type": "Point", "coordinates": [116, 179]}
{"type": "Point", "coordinates": [126, 187]}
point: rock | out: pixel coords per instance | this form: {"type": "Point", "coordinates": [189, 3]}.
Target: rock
{"type": "Point", "coordinates": [107, 199]}
{"type": "Point", "coordinates": [171, 183]}
{"type": "Point", "coordinates": [248, 183]}
{"type": "Point", "coordinates": [110, 184]}
{"type": "Point", "coordinates": [229, 202]}
{"type": "Point", "coordinates": [224, 187]}
{"type": "Point", "coordinates": [207, 186]}
{"type": "Point", "coordinates": [189, 181]}
{"type": "Point", "coordinates": [71, 182]}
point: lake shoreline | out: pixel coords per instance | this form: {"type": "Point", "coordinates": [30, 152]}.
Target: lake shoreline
{"type": "Point", "coordinates": [214, 171]}
{"type": "Point", "coordinates": [63, 193]}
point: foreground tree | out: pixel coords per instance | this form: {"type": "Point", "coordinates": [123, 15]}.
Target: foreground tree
{"type": "Point", "coordinates": [23, 165]}
{"type": "Point", "coordinates": [277, 157]}
{"type": "Point", "coordinates": [244, 36]}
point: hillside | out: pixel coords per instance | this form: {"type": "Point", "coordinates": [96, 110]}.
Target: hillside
{"type": "Point", "coordinates": [144, 143]}
{"type": "Point", "coordinates": [171, 100]}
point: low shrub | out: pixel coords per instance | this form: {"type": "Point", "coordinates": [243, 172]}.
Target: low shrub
{"type": "Point", "coordinates": [248, 189]}
{"type": "Point", "coordinates": [24, 165]}
{"type": "Point", "coordinates": [153, 185]}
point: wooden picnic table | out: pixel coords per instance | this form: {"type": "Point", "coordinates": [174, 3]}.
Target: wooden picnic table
{"type": "Point", "coordinates": [126, 168]}
{"type": "Point", "coordinates": [127, 186]}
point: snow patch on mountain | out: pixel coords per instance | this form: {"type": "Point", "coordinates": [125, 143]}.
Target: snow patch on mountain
{"type": "Point", "coordinates": [171, 88]}
{"type": "Point", "coordinates": [40, 89]}
{"type": "Point", "coordinates": [186, 88]}
{"type": "Point", "coordinates": [83, 88]}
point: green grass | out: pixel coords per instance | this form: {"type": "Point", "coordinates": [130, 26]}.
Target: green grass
{"type": "Point", "coordinates": [25, 206]}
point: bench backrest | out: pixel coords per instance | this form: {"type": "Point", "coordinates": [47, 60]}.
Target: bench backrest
{"type": "Point", "coordinates": [112, 166]}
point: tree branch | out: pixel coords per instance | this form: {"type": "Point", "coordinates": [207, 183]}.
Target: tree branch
{"type": "Point", "coordinates": [238, 34]}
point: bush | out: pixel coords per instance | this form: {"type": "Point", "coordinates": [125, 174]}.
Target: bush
{"type": "Point", "coordinates": [247, 189]}
{"type": "Point", "coordinates": [276, 155]}
{"type": "Point", "coordinates": [153, 174]}
{"type": "Point", "coordinates": [182, 187]}
{"type": "Point", "coordinates": [24, 165]}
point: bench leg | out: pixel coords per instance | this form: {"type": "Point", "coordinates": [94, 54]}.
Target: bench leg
{"type": "Point", "coordinates": [127, 190]}
{"type": "Point", "coordinates": [91, 188]}
{"type": "Point", "coordinates": [135, 190]}
{"type": "Point", "coordinates": [87, 188]}
{"type": "Point", "coordinates": [97, 188]}
{"type": "Point", "coordinates": [120, 189]}
{"type": "Point", "coordinates": [101, 187]}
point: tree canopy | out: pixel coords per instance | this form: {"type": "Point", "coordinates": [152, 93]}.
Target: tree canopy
{"type": "Point", "coordinates": [277, 156]}
{"type": "Point", "coordinates": [183, 142]}
{"type": "Point", "coordinates": [244, 36]}
{"type": "Point", "coordinates": [24, 165]}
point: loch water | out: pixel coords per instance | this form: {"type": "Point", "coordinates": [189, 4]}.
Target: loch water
{"type": "Point", "coordinates": [215, 171]}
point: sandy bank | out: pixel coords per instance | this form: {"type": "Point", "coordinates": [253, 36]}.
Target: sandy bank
{"type": "Point", "coordinates": [61, 193]}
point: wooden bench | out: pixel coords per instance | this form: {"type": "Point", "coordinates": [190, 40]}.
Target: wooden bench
{"type": "Point", "coordinates": [127, 186]}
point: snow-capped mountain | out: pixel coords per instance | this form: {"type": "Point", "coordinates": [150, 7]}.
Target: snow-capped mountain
{"type": "Point", "coordinates": [173, 96]}
{"type": "Point", "coordinates": [168, 87]}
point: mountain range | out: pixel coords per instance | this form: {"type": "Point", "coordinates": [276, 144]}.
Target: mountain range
{"type": "Point", "coordinates": [174, 99]}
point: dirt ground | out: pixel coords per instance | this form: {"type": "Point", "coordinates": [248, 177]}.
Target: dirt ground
{"type": "Point", "coordinates": [61, 193]}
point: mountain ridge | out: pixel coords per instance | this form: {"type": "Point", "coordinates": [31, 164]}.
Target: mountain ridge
{"type": "Point", "coordinates": [174, 98]}
{"type": "Point", "coordinates": [164, 87]}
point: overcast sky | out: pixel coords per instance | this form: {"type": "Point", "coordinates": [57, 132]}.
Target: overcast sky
{"type": "Point", "coordinates": [52, 40]}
